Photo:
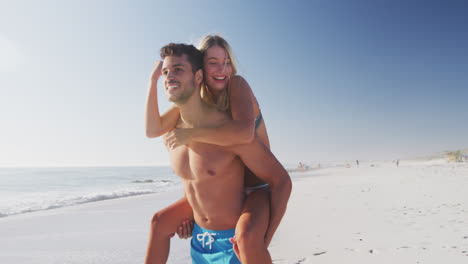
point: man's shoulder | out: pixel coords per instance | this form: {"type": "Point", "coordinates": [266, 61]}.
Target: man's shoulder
{"type": "Point", "coordinates": [216, 117]}
{"type": "Point", "coordinates": [181, 124]}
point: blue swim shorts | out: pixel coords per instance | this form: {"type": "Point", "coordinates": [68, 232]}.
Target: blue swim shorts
{"type": "Point", "coordinates": [208, 246]}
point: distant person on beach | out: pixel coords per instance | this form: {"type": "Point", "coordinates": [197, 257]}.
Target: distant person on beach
{"type": "Point", "coordinates": [397, 162]}
{"type": "Point", "coordinates": [210, 136]}
{"type": "Point", "coordinates": [357, 163]}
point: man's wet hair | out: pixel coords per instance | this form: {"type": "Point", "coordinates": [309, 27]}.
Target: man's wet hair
{"type": "Point", "coordinates": [194, 56]}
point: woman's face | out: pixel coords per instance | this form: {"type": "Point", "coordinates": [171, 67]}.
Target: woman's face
{"type": "Point", "coordinates": [218, 69]}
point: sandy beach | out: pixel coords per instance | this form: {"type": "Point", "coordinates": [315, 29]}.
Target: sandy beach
{"type": "Point", "coordinates": [414, 213]}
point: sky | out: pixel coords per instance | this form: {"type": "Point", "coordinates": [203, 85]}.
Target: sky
{"type": "Point", "coordinates": [336, 80]}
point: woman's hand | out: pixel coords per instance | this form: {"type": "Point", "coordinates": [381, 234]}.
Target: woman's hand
{"type": "Point", "coordinates": [235, 246]}
{"type": "Point", "coordinates": [178, 137]}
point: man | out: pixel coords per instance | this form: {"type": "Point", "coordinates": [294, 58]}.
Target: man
{"type": "Point", "coordinates": [213, 176]}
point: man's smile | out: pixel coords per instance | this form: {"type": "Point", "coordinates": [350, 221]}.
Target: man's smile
{"type": "Point", "coordinates": [172, 86]}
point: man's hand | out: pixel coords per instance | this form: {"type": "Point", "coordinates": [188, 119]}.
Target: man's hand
{"type": "Point", "coordinates": [156, 73]}
{"type": "Point", "coordinates": [178, 137]}
{"type": "Point", "coordinates": [185, 229]}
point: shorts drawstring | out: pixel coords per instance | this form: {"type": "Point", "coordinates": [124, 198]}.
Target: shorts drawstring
{"type": "Point", "coordinates": [201, 238]}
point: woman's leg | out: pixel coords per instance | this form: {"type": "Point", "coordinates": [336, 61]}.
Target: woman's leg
{"type": "Point", "coordinates": [252, 226]}
{"type": "Point", "coordinates": [163, 225]}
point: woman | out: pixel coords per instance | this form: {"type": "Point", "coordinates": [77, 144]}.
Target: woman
{"type": "Point", "coordinates": [227, 92]}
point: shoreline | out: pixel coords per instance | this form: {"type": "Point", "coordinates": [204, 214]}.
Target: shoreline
{"type": "Point", "coordinates": [109, 231]}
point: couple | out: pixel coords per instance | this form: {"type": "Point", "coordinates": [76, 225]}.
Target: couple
{"type": "Point", "coordinates": [211, 132]}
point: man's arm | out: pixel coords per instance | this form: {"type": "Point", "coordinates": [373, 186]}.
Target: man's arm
{"type": "Point", "coordinates": [258, 158]}
{"type": "Point", "coordinates": [157, 125]}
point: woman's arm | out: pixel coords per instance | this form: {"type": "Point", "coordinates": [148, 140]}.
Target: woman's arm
{"type": "Point", "coordinates": [157, 125]}
{"type": "Point", "coordinates": [239, 130]}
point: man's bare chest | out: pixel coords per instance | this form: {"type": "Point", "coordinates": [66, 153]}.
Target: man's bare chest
{"type": "Point", "coordinates": [199, 161]}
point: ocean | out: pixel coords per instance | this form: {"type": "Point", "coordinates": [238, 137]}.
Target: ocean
{"type": "Point", "coordinates": [24, 190]}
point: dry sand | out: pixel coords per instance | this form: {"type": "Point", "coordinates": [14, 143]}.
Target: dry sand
{"type": "Point", "coordinates": [416, 213]}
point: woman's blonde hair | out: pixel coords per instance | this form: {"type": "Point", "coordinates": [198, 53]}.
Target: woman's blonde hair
{"type": "Point", "coordinates": [223, 100]}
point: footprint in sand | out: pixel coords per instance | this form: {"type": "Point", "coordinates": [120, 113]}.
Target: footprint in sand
{"type": "Point", "coordinates": [319, 253]}
{"type": "Point", "coordinates": [300, 261]}
{"type": "Point", "coordinates": [281, 261]}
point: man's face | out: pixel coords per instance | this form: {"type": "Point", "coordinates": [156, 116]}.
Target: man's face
{"type": "Point", "coordinates": [178, 78]}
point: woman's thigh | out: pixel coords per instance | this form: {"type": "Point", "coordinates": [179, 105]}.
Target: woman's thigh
{"type": "Point", "coordinates": [170, 218]}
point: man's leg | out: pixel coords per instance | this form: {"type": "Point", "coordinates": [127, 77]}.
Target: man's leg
{"type": "Point", "coordinates": [163, 225]}
{"type": "Point", "coordinates": [251, 228]}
